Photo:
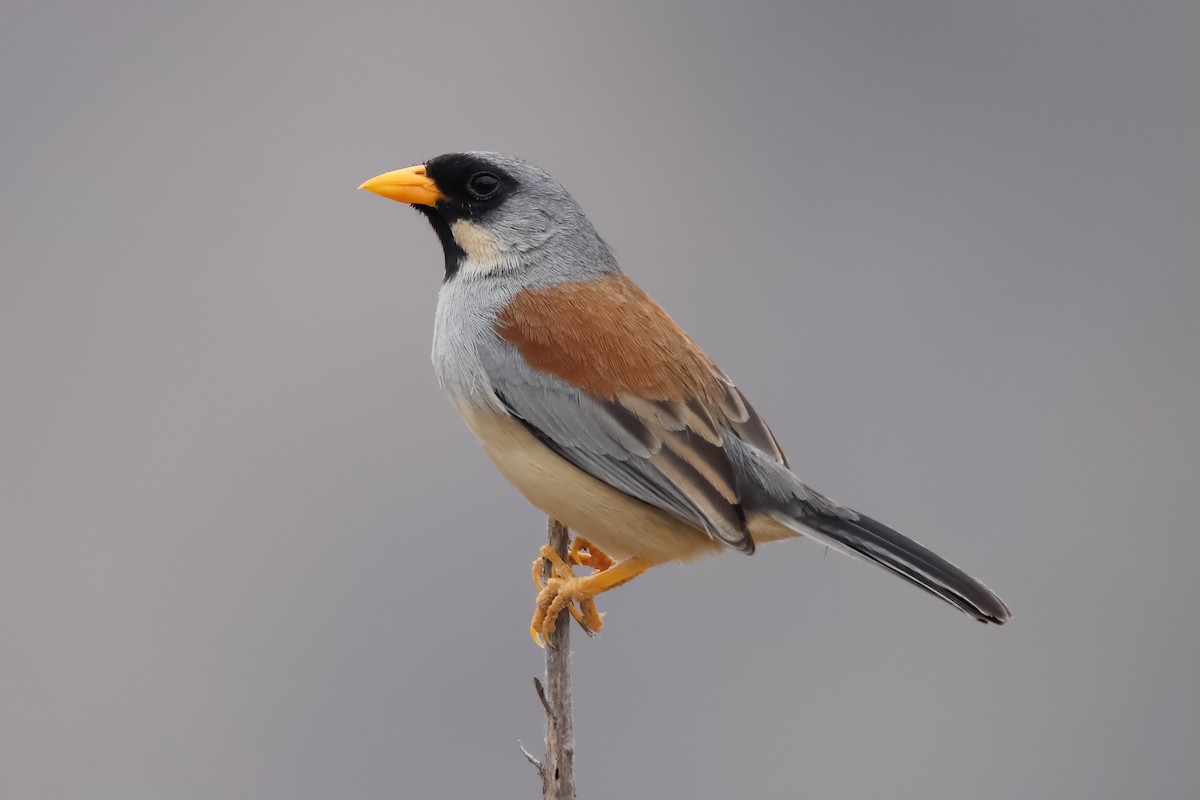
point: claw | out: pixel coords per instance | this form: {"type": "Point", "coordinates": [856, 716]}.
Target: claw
{"type": "Point", "coordinates": [552, 600]}
{"type": "Point", "coordinates": [564, 590]}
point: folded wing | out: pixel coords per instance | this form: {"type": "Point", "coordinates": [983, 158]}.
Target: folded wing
{"type": "Point", "coordinates": [622, 393]}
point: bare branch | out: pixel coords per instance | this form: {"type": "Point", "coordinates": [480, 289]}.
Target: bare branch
{"type": "Point", "coordinates": [558, 769]}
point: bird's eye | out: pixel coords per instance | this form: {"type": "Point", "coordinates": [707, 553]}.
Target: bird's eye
{"type": "Point", "coordinates": [483, 185]}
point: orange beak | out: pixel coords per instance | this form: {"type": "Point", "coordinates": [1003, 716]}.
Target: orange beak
{"type": "Point", "coordinates": [410, 185]}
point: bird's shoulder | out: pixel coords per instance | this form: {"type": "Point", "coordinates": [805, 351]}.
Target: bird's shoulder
{"type": "Point", "coordinates": [607, 337]}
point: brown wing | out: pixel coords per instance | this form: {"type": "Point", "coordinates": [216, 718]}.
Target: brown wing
{"type": "Point", "coordinates": [607, 339]}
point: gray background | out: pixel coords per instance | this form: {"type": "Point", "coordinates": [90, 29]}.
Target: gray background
{"type": "Point", "coordinates": [949, 249]}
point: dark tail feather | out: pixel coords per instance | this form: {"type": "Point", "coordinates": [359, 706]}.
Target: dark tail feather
{"type": "Point", "coordinates": [879, 544]}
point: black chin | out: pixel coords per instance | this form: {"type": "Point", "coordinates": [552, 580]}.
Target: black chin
{"type": "Point", "coordinates": [454, 253]}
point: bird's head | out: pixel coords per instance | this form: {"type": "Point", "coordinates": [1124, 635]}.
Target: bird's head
{"type": "Point", "coordinates": [497, 215]}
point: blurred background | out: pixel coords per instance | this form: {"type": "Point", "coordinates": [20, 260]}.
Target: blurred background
{"type": "Point", "coordinates": [949, 249]}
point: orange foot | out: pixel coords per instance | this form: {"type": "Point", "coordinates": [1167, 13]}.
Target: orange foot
{"type": "Point", "coordinates": [586, 554]}
{"type": "Point", "coordinates": [565, 589]}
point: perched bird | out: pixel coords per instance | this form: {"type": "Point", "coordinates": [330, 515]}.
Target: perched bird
{"type": "Point", "coordinates": [597, 406]}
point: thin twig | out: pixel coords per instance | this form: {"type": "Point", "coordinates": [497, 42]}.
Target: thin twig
{"type": "Point", "coordinates": [558, 768]}
{"type": "Point", "coordinates": [532, 759]}
{"type": "Point", "coordinates": [541, 693]}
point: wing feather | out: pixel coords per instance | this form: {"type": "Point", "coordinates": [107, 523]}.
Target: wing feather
{"type": "Point", "coordinates": [649, 419]}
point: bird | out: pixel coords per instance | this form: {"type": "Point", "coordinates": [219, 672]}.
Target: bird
{"type": "Point", "coordinates": [598, 407]}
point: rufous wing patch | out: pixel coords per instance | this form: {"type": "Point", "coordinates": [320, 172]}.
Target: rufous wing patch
{"type": "Point", "coordinates": [606, 337]}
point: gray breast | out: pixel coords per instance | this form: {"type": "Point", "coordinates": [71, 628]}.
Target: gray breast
{"type": "Point", "coordinates": [465, 324]}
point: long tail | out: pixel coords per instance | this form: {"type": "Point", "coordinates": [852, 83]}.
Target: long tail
{"type": "Point", "coordinates": [875, 542]}
{"type": "Point", "coordinates": [779, 505]}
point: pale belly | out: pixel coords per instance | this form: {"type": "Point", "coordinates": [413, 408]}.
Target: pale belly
{"type": "Point", "coordinates": [616, 523]}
